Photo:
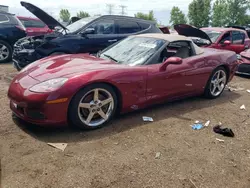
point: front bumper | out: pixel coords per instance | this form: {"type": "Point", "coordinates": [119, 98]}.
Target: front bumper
{"type": "Point", "coordinates": [33, 107]}
{"type": "Point", "coordinates": [243, 69]}
{"type": "Point", "coordinates": [23, 58]}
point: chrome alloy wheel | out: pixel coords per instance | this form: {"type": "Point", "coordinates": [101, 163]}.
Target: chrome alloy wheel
{"type": "Point", "coordinates": [95, 107]}
{"type": "Point", "coordinates": [218, 82]}
{"type": "Point", "coordinates": [4, 52]}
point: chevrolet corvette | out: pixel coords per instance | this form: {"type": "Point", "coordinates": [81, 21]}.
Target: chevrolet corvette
{"type": "Point", "coordinates": [139, 71]}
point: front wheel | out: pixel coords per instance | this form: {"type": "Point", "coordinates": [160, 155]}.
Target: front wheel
{"type": "Point", "coordinates": [216, 83]}
{"type": "Point", "coordinates": [5, 52]}
{"type": "Point", "coordinates": [93, 106]}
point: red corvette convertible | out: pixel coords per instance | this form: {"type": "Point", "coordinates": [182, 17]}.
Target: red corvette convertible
{"type": "Point", "coordinates": [134, 73]}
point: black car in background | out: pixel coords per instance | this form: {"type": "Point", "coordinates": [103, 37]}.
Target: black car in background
{"type": "Point", "coordinates": [11, 29]}
{"type": "Point", "coordinates": [87, 35]}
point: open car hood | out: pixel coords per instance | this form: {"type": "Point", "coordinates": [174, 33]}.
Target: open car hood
{"type": "Point", "coordinates": [46, 18]}
{"type": "Point", "coordinates": [190, 31]}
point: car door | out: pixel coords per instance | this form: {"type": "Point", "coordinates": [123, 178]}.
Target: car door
{"type": "Point", "coordinates": [177, 80]}
{"type": "Point", "coordinates": [126, 28]}
{"type": "Point", "coordinates": [227, 36]}
{"type": "Point", "coordinates": [104, 35]}
{"type": "Point", "coordinates": [238, 39]}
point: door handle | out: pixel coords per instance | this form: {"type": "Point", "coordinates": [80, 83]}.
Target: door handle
{"type": "Point", "coordinates": [114, 40]}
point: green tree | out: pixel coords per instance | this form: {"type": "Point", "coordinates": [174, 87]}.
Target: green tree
{"type": "Point", "coordinates": [177, 16]}
{"type": "Point", "coordinates": [220, 13]}
{"type": "Point", "coordinates": [237, 12]}
{"type": "Point", "coordinates": [65, 15]}
{"type": "Point", "coordinates": [199, 12]}
{"type": "Point", "coordinates": [82, 14]}
{"type": "Point", "coordinates": [149, 16]}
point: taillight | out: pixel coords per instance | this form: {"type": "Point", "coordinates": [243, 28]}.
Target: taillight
{"type": "Point", "coordinates": [20, 27]}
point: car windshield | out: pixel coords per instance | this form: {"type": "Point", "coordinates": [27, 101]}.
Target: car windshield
{"type": "Point", "coordinates": [133, 50]}
{"type": "Point", "coordinates": [213, 35]}
{"type": "Point", "coordinates": [79, 24]}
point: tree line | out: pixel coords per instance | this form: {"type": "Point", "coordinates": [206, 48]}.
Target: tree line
{"type": "Point", "coordinates": [201, 13]}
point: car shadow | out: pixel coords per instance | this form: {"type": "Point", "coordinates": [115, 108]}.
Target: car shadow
{"type": "Point", "coordinates": [127, 121]}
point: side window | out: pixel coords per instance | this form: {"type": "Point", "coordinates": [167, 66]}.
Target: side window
{"type": "Point", "coordinates": [144, 26]}
{"type": "Point", "coordinates": [3, 19]}
{"type": "Point", "coordinates": [238, 37]}
{"type": "Point", "coordinates": [104, 27]}
{"type": "Point", "coordinates": [225, 37]}
{"type": "Point", "coordinates": [128, 27]}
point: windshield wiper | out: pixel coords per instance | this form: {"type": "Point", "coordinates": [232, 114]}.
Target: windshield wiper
{"type": "Point", "coordinates": [108, 56]}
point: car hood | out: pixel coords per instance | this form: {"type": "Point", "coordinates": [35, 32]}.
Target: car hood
{"type": "Point", "coordinates": [68, 65]}
{"type": "Point", "coordinates": [46, 18]}
{"type": "Point", "coordinates": [190, 31]}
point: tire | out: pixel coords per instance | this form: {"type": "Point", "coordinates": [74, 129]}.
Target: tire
{"type": "Point", "coordinates": [78, 116]}
{"type": "Point", "coordinates": [213, 82]}
{"type": "Point", "coordinates": [5, 52]}
{"type": "Point", "coordinates": [57, 53]}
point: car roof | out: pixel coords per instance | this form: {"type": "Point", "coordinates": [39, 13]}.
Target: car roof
{"type": "Point", "coordinates": [27, 18]}
{"type": "Point", "coordinates": [127, 17]}
{"type": "Point", "coordinates": [172, 38]}
{"type": "Point", "coordinates": [167, 37]}
{"type": "Point", "coordinates": [221, 29]}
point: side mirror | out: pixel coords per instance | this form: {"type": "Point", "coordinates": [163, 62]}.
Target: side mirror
{"type": "Point", "coordinates": [171, 60]}
{"type": "Point", "coordinates": [227, 42]}
{"type": "Point", "coordinates": [88, 31]}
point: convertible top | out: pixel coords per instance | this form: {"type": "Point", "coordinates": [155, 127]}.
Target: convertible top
{"type": "Point", "coordinates": [172, 38]}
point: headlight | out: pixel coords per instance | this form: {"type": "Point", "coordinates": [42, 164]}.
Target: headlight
{"type": "Point", "coordinates": [49, 85]}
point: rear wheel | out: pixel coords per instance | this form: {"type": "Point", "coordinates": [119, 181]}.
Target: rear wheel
{"type": "Point", "coordinates": [5, 52]}
{"type": "Point", "coordinates": [93, 106]}
{"type": "Point", "coordinates": [216, 83]}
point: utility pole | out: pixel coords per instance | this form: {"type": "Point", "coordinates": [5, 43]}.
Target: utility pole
{"type": "Point", "coordinates": [123, 8]}
{"type": "Point", "coordinates": [110, 8]}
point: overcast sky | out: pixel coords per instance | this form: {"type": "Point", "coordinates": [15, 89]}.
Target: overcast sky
{"type": "Point", "coordinates": [161, 8]}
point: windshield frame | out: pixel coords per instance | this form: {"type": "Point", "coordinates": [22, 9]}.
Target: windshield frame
{"type": "Point", "coordinates": [146, 62]}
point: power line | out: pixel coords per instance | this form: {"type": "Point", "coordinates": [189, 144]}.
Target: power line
{"type": "Point", "coordinates": [110, 8]}
{"type": "Point", "coordinates": [123, 8]}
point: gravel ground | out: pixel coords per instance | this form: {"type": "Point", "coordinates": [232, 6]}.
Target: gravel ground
{"type": "Point", "coordinates": [123, 154]}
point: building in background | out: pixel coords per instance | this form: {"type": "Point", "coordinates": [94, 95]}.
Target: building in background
{"type": "Point", "coordinates": [4, 8]}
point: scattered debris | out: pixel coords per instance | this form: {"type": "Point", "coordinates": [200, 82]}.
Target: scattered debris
{"type": "Point", "coordinates": [157, 155]}
{"type": "Point", "coordinates": [243, 107]}
{"type": "Point", "coordinates": [220, 140]}
{"type": "Point", "coordinates": [197, 126]}
{"type": "Point", "coordinates": [197, 121]}
{"type": "Point", "coordinates": [224, 131]}
{"type": "Point", "coordinates": [191, 181]}
{"type": "Point", "coordinates": [136, 159]}
{"type": "Point", "coordinates": [207, 123]}
{"type": "Point", "coordinates": [145, 118]}
{"type": "Point", "coordinates": [235, 89]}
{"type": "Point", "coordinates": [248, 90]}
{"type": "Point", "coordinates": [187, 144]}
{"type": "Point", "coordinates": [60, 146]}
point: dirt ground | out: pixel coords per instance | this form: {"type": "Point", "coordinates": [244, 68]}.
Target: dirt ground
{"type": "Point", "coordinates": [123, 154]}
